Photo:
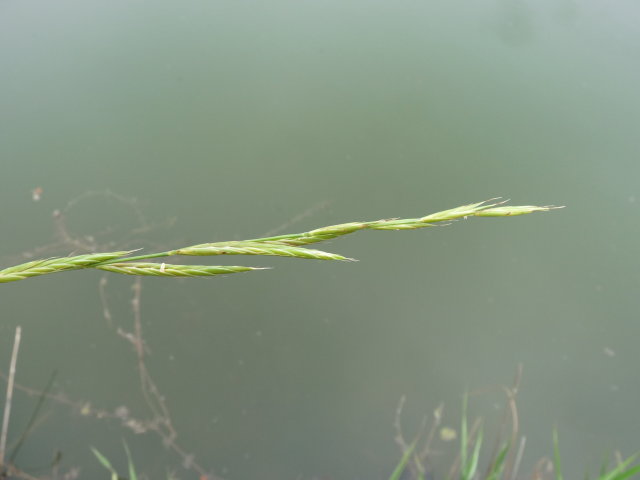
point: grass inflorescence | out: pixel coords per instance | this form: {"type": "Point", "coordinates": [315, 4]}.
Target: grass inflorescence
{"type": "Point", "coordinates": [292, 245]}
{"type": "Point", "coordinates": [166, 270]}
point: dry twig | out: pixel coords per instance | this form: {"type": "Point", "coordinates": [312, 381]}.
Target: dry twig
{"type": "Point", "coordinates": [9, 397]}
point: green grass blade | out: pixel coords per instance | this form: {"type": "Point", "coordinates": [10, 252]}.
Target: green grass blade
{"type": "Point", "coordinates": [397, 472]}
{"type": "Point", "coordinates": [132, 468]}
{"type": "Point", "coordinates": [556, 455]}
{"type": "Point", "coordinates": [628, 474]}
{"type": "Point", "coordinates": [105, 463]}
{"type": "Point", "coordinates": [469, 470]}
{"type": "Point", "coordinates": [463, 435]}
{"type": "Point", "coordinates": [468, 465]}
{"type": "Point", "coordinates": [620, 472]}
{"type": "Point", "coordinates": [603, 467]}
{"type": "Point", "coordinates": [498, 464]}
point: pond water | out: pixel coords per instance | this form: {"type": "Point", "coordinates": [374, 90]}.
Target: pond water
{"type": "Point", "coordinates": [162, 124]}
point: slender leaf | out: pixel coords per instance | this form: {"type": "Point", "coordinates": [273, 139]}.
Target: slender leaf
{"type": "Point", "coordinates": [397, 472]}
{"type": "Point", "coordinates": [105, 463]}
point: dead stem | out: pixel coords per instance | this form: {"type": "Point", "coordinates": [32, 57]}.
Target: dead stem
{"type": "Point", "coordinates": [419, 466]}
{"type": "Point", "coordinates": [518, 459]}
{"type": "Point", "coordinates": [10, 382]}
{"type": "Point", "coordinates": [437, 419]}
{"type": "Point", "coordinates": [102, 289]}
{"type": "Point", "coordinates": [14, 472]}
{"type": "Point", "coordinates": [399, 438]}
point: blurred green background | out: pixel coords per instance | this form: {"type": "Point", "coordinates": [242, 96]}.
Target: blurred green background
{"type": "Point", "coordinates": [237, 118]}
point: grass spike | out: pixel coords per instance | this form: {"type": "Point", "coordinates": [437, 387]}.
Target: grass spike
{"type": "Point", "coordinates": [167, 270]}
{"type": "Point", "coordinates": [291, 245]}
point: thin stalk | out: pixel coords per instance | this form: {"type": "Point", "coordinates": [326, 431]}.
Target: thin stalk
{"type": "Point", "coordinates": [7, 406]}
{"type": "Point", "coordinates": [34, 416]}
{"type": "Point", "coordinates": [169, 253]}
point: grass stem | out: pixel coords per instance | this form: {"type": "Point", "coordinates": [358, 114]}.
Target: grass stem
{"type": "Point", "coordinates": [9, 397]}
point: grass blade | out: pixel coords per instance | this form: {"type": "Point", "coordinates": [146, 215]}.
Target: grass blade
{"type": "Point", "coordinates": [463, 435]}
{"type": "Point", "coordinates": [470, 469]}
{"type": "Point", "coordinates": [498, 464]}
{"type": "Point", "coordinates": [397, 472]}
{"type": "Point", "coordinates": [620, 472]}
{"type": "Point", "coordinates": [556, 455]}
{"type": "Point", "coordinates": [105, 463]}
{"type": "Point", "coordinates": [628, 474]}
{"type": "Point", "coordinates": [132, 468]}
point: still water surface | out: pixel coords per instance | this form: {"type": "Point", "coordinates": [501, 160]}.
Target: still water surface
{"type": "Point", "coordinates": [227, 120]}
